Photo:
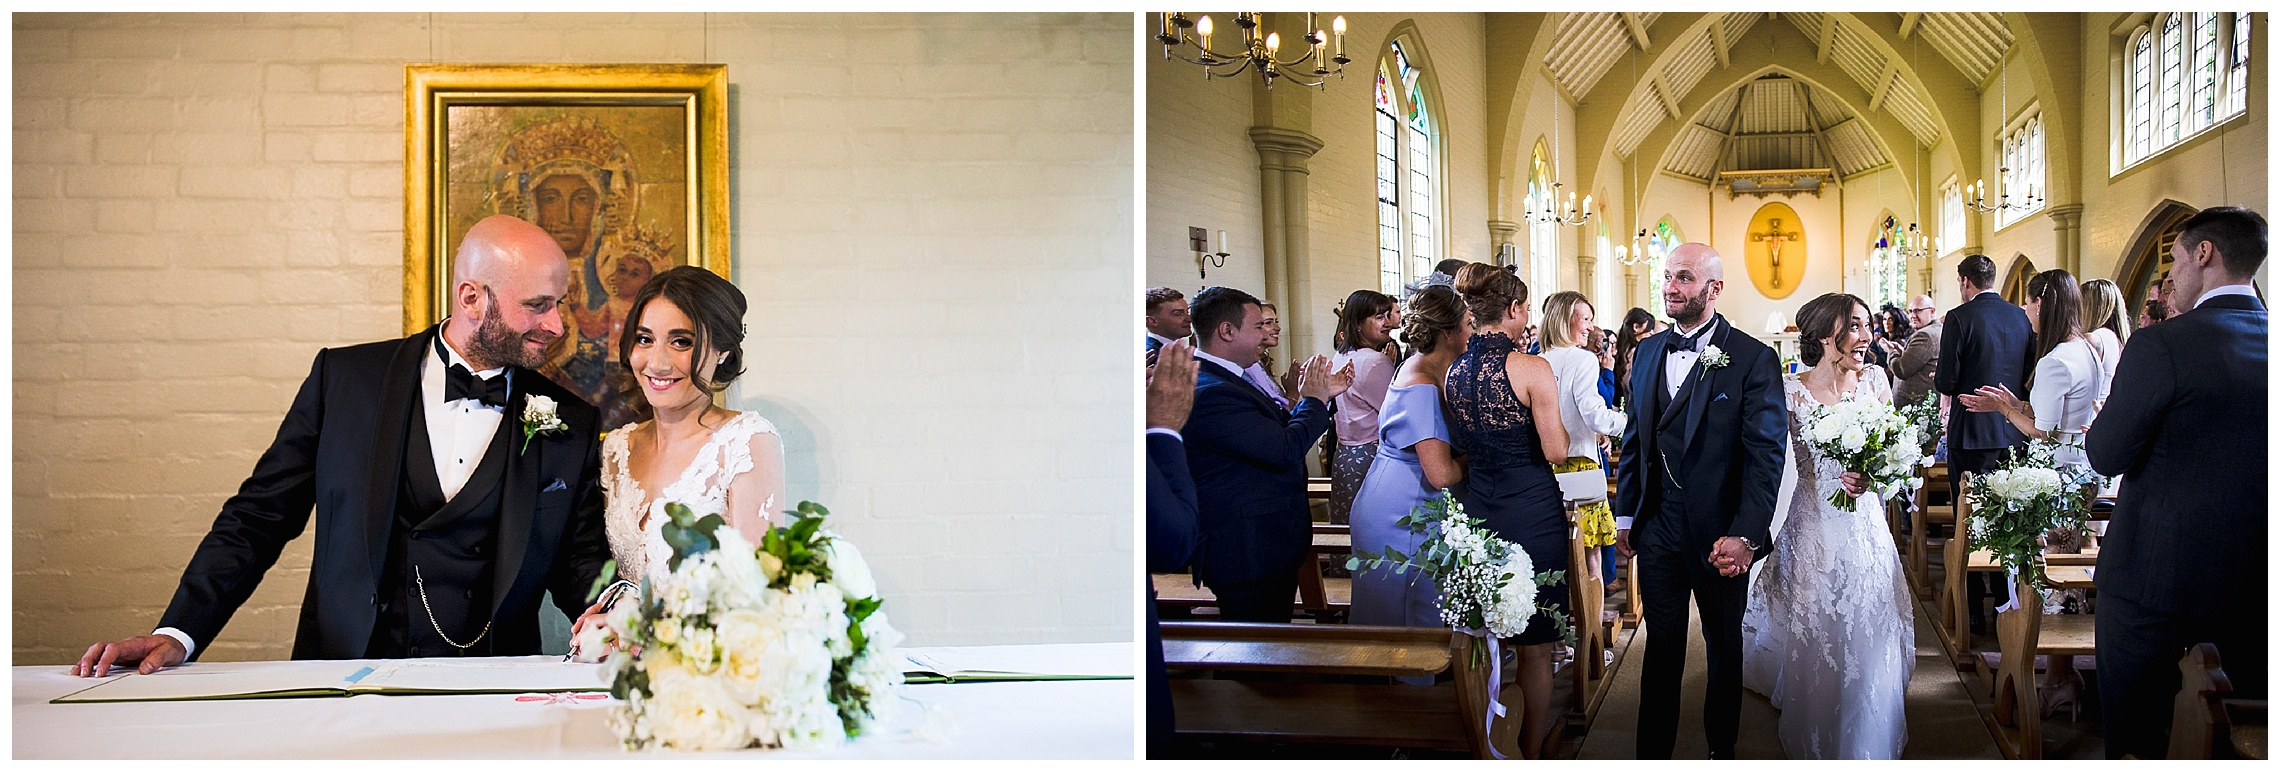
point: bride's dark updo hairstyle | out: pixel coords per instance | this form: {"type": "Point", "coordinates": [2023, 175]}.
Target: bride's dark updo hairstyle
{"type": "Point", "coordinates": [713, 304]}
{"type": "Point", "coordinates": [1489, 291]}
{"type": "Point", "coordinates": [1820, 319]}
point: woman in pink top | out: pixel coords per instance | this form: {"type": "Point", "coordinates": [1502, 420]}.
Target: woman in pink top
{"type": "Point", "coordinates": [1365, 324]}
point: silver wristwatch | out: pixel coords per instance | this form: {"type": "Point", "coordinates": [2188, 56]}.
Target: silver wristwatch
{"type": "Point", "coordinates": [1747, 543]}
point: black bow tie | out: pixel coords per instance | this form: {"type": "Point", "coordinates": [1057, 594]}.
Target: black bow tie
{"type": "Point", "coordinates": [460, 384]}
{"type": "Point", "coordinates": [1687, 343]}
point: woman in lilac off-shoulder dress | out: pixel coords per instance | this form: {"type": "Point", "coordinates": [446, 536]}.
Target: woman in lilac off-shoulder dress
{"type": "Point", "coordinates": [1413, 463]}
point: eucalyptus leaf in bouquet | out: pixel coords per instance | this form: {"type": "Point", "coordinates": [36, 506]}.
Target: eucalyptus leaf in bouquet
{"type": "Point", "coordinates": [737, 646]}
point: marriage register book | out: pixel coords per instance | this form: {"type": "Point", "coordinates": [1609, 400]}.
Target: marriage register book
{"type": "Point", "coordinates": [342, 678]}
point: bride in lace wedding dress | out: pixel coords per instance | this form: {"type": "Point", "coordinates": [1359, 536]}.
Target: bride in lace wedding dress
{"type": "Point", "coordinates": [684, 346]}
{"type": "Point", "coordinates": [1831, 635]}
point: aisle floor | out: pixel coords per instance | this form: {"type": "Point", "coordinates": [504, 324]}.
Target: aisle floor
{"type": "Point", "coordinates": [1943, 722]}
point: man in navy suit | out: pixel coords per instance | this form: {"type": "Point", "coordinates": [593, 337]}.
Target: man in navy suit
{"type": "Point", "coordinates": [1694, 495]}
{"type": "Point", "coordinates": [1166, 317]}
{"type": "Point", "coordinates": [2185, 558]}
{"type": "Point", "coordinates": [1171, 513]}
{"type": "Point", "coordinates": [1985, 341]}
{"type": "Point", "coordinates": [1248, 459]}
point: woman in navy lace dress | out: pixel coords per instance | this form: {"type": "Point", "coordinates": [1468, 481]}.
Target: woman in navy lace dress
{"type": "Point", "coordinates": [1493, 391]}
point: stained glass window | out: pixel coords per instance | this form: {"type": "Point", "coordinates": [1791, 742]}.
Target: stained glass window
{"type": "Point", "coordinates": [1887, 270]}
{"type": "Point", "coordinates": [1406, 170]}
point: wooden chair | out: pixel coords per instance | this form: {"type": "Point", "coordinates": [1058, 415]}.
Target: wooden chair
{"type": "Point", "coordinates": [2207, 724]}
{"type": "Point", "coordinates": [2022, 634]}
{"type": "Point", "coordinates": [1446, 716]}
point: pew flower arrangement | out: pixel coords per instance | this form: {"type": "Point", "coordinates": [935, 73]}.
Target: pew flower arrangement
{"type": "Point", "coordinates": [1924, 414]}
{"type": "Point", "coordinates": [782, 645]}
{"type": "Point", "coordinates": [2024, 498]}
{"type": "Point", "coordinates": [1868, 437]}
{"type": "Point", "coordinates": [1487, 583]}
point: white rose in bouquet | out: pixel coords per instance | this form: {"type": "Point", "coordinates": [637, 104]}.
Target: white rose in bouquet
{"type": "Point", "coordinates": [692, 712]}
{"type": "Point", "coordinates": [848, 571]}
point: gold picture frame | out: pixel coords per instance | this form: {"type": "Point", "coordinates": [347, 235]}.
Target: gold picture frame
{"type": "Point", "coordinates": [432, 92]}
{"type": "Point", "coordinates": [625, 165]}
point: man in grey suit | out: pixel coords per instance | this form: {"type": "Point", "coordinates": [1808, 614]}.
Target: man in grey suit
{"type": "Point", "coordinates": [1920, 354]}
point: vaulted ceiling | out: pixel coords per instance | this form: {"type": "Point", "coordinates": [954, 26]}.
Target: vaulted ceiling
{"type": "Point", "coordinates": [1586, 47]}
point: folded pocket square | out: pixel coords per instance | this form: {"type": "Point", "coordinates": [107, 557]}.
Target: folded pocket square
{"type": "Point", "coordinates": [557, 485]}
{"type": "Point", "coordinates": [1721, 395]}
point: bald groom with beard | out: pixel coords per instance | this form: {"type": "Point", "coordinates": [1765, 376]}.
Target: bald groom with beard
{"type": "Point", "coordinates": [1695, 493]}
{"type": "Point", "coordinates": [438, 527]}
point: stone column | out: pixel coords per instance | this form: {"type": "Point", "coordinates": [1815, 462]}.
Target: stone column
{"type": "Point", "coordinates": [2067, 221]}
{"type": "Point", "coordinates": [1583, 283]}
{"type": "Point", "coordinates": [1283, 155]}
{"type": "Point", "coordinates": [1500, 235]}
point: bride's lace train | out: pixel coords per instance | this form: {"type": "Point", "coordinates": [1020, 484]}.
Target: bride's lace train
{"type": "Point", "coordinates": [1830, 631]}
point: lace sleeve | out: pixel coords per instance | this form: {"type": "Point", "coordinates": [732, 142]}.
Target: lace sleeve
{"type": "Point", "coordinates": [752, 472]}
{"type": "Point", "coordinates": [1879, 384]}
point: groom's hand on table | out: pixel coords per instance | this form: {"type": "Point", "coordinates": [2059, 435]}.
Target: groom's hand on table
{"type": "Point", "coordinates": [1729, 556]}
{"type": "Point", "coordinates": [155, 652]}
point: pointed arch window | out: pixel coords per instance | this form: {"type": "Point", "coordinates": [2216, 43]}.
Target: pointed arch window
{"type": "Point", "coordinates": [2186, 72]}
{"type": "Point", "coordinates": [1407, 172]}
{"type": "Point", "coordinates": [1660, 241]}
{"type": "Point", "coordinates": [1887, 270]}
{"type": "Point", "coordinates": [1543, 243]}
{"type": "Point", "coordinates": [1951, 217]}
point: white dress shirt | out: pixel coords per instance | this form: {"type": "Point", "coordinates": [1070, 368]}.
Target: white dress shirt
{"type": "Point", "coordinates": [459, 433]}
{"type": "Point", "coordinates": [1678, 363]}
{"type": "Point", "coordinates": [2229, 289]}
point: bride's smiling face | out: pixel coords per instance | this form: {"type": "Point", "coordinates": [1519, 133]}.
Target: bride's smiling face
{"type": "Point", "coordinates": [664, 350]}
{"type": "Point", "coordinates": [1850, 344]}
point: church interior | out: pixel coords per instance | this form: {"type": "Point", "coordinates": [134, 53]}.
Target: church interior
{"type": "Point", "coordinates": [1859, 152]}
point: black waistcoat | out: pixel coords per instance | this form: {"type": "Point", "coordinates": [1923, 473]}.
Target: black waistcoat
{"type": "Point", "coordinates": [440, 553]}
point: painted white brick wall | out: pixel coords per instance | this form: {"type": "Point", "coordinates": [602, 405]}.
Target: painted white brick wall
{"type": "Point", "coordinates": [934, 232]}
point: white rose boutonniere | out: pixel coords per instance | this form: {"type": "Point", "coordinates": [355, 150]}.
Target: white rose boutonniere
{"type": "Point", "coordinates": [539, 418]}
{"type": "Point", "coordinates": [1714, 357]}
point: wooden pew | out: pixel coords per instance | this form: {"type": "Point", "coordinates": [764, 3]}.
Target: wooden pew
{"type": "Point", "coordinates": [1959, 561]}
{"type": "Point", "coordinates": [2022, 634]}
{"type": "Point", "coordinates": [1921, 517]}
{"type": "Point", "coordinates": [1446, 716]}
{"type": "Point", "coordinates": [2207, 724]}
{"type": "Point", "coordinates": [1325, 599]}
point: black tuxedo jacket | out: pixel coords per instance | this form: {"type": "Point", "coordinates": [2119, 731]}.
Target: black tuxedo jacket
{"type": "Point", "coordinates": [2184, 427]}
{"type": "Point", "coordinates": [1171, 505]}
{"type": "Point", "coordinates": [1722, 436]}
{"type": "Point", "coordinates": [1247, 457]}
{"type": "Point", "coordinates": [339, 452]}
{"type": "Point", "coordinates": [1984, 342]}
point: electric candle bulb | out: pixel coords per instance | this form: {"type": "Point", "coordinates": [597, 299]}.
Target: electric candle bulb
{"type": "Point", "coordinates": [1274, 41]}
{"type": "Point", "coordinates": [1203, 29]}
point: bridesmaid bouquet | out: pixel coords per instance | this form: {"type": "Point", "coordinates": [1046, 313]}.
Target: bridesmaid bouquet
{"type": "Point", "coordinates": [2013, 506]}
{"type": "Point", "coordinates": [782, 645]}
{"type": "Point", "coordinates": [1486, 583]}
{"type": "Point", "coordinates": [1867, 437]}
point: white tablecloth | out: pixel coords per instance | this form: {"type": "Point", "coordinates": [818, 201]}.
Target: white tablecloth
{"type": "Point", "coordinates": [1025, 719]}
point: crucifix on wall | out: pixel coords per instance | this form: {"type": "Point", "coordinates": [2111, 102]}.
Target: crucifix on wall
{"type": "Point", "coordinates": [1773, 238]}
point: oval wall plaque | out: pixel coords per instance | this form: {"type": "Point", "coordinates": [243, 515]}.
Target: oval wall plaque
{"type": "Point", "coordinates": [1776, 252]}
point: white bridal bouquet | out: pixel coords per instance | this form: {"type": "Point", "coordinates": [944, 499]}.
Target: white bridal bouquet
{"type": "Point", "coordinates": [2013, 506]}
{"type": "Point", "coordinates": [1486, 583]}
{"type": "Point", "coordinates": [1868, 437]}
{"type": "Point", "coordinates": [738, 647]}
